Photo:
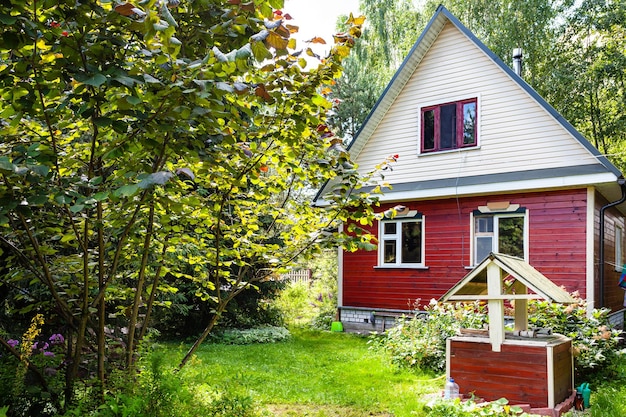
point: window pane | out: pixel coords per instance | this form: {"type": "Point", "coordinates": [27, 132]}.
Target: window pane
{"type": "Point", "coordinates": [428, 118]}
{"type": "Point", "coordinates": [412, 242]}
{"type": "Point", "coordinates": [390, 252]}
{"type": "Point", "coordinates": [484, 246]}
{"type": "Point", "coordinates": [390, 228]}
{"type": "Point", "coordinates": [447, 126]}
{"type": "Point", "coordinates": [511, 236]}
{"type": "Point", "coordinates": [469, 123]}
{"type": "Point", "coordinates": [484, 224]}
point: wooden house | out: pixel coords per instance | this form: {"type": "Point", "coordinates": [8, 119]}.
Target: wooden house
{"type": "Point", "coordinates": [485, 165]}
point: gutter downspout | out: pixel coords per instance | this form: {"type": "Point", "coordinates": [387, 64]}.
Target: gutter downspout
{"type": "Point", "coordinates": [621, 182]}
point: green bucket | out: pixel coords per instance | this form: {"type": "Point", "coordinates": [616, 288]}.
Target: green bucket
{"type": "Point", "coordinates": [336, 326]}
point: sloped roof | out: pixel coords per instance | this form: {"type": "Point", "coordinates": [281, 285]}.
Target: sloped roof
{"type": "Point", "coordinates": [413, 59]}
{"type": "Point", "coordinates": [474, 284]}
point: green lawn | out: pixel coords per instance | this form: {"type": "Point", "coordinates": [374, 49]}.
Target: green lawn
{"type": "Point", "coordinates": [316, 374]}
{"type": "Point", "coordinates": [323, 374]}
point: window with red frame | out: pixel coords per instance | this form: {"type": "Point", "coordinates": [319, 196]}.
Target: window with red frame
{"type": "Point", "coordinates": [449, 126]}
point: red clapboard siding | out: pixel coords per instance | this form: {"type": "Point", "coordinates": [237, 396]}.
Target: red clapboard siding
{"type": "Point", "coordinates": [557, 247]}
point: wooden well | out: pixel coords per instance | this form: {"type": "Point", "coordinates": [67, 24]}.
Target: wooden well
{"type": "Point", "coordinates": [523, 366]}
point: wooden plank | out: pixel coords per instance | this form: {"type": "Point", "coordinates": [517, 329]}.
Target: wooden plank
{"type": "Point", "coordinates": [518, 372]}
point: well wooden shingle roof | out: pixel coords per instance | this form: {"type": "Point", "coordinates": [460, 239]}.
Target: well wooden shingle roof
{"type": "Point", "coordinates": [474, 285]}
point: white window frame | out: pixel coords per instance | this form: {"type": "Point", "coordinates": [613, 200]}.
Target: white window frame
{"type": "Point", "coordinates": [398, 238]}
{"type": "Point", "coordinates": [497, 216]}
{"type": "Point", "coordinates": [619, 253]}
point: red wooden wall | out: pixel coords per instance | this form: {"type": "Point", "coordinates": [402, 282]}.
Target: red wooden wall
{"type": "Point", "coordinates": [557, 246]}
{"type": "Point", "coordinates": [518, 372]}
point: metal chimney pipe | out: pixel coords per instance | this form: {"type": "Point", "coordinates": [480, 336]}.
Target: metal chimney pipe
{"type": "Point", "coordinates": [517, 61]}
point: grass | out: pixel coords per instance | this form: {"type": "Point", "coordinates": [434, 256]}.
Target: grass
{"type": "Point", "coordinates": [323, 374]}
{"type": "Point", "coordinates": [316, 374]}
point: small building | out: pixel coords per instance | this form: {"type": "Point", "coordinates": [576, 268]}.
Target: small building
{"type": "Point", "coordinates": [485, 165]}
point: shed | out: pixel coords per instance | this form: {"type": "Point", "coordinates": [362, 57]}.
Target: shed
{"type": "Point", "coordinates": [536, 369]}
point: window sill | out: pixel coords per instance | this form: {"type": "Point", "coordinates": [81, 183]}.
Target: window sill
{"type": "Point", "coordinates": [401, 267]}
{"type": "Point", "coordinates": [469, 148]}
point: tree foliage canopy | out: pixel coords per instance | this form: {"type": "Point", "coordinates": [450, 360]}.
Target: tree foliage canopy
{"type": "Point", "coordinates": [143, 142]}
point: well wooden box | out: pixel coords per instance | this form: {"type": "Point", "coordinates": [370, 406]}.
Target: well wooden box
{"type": "Point", "coordinates": [535, 371]}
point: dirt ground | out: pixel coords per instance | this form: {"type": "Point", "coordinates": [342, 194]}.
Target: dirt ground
{"type": "Point", "coordinates": [296, 410]}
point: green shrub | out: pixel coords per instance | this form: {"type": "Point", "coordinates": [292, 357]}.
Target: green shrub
{"type": "Point", "coordinates": [265, 334]}
{"type": "Point", "coordinates": [456, 408]}
{"type": "Point", "coordinates": [294, 304]}
{"type": "Point", "coordinates": [159, 389]}
{"type": "Point", "coordinates": [594, 342]}
{"type": "Point", "coordinates": [312, 305]}
{"type": "Point", "coordinates": [21, 388]}
{"type": "Point", "coordinates": [420, 341]}
{"type": "Point", "coordinates": [232, 404]}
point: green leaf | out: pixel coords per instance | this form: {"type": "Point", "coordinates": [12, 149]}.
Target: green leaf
{"type": "Point", "coordinates": [277, 4]}
{"type": "Point", "coordinates": [150, 79]}
{"type": "Point", "coordinates": [101, 196]}
{"type": "Point", "coordinates": [63, 199]}
{"type": "Point", "coordinates": [102, 121]}
{"type": "Point", "coordinates": [77, 208]}
{"type": "Point", "coordinates": [125, 80]}
{"type": "Point", "coordinates": [244, 52]}
{"type": "Point", "coordinates": [165, 14]}
{"type": "Point", "coordinates": [68, 238]}
{"type": "Point", "coordinates": [157, 178]}
{"type": "Point", "coordinates": [126, 190]}
{"type": "Point", "coordinates": [5, 164]}
{"type": "Point", "coordinates": [133, 100]}
{"type": "Point", "coordinates": [7, 20]}
{"type": "Point", "coordinates": [160, 27]}
{"type": "Point", "coordinates": [219, 54]}
{"type": "Point", "coordinates": [95, 80]}
{"type": "Point", "coordinates": [259, 51]}
{"type": "Point", "coordinates": [37, 200]}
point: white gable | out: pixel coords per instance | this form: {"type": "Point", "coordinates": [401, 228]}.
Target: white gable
{"type": "Point", "coordinates": [523, 142]}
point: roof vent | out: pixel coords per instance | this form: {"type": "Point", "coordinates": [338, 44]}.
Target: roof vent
{"type": "Point", "coordinates": [517, 61]}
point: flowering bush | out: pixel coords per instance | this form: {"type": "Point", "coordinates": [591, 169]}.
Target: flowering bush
{"type": "Point", "coordinates": [36, 358]}
{"type": "Point", "coordinates": [594, 341]}
{"type": "Point", "coordinates": [420, 341]}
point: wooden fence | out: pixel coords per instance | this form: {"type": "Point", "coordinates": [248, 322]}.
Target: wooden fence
{"type": "Point", "coordinates": [300, 275]}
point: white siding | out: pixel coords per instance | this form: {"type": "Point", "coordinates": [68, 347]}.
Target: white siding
{"type": "Point", "coordinates": [515, 132]}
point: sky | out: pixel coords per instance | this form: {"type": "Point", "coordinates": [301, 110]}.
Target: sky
{"type": "Point", "coordinates": [318, 17]}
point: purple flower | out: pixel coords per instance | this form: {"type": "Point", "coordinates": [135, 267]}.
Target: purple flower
{"type": "Point", "coordinates": [13, 342]}
{"type": "Point", "coordinates": [48, 353]}
{"type": "Point", "coordinates": [40, 346]}
{"type": "Point", "coordinates": [57, 339]}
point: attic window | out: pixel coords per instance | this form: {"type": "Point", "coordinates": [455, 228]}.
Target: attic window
{"type": "Point", "coordinates": [449, 126]}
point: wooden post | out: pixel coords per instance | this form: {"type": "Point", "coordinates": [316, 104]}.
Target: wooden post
{"type": "Point", "coordinates": [496, 307]}
{"type": "Point", "coordinates": [521, 307]}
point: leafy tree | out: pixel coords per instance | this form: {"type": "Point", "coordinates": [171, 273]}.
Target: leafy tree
{"type": "Point", "coordinates": [585, 80]}
{"type": "Point", "coordinates": [392, 28]}
{"type": "Point", "coordinates": [155, 141]}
